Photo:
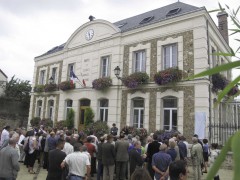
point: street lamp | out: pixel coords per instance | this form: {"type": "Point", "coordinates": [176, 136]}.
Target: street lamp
{"type": "Point", "coordinates": [51, 80]}
{"type": "Point", "coordinates": [117, 71]}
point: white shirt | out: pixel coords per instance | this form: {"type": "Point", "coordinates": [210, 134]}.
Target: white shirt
{"type": "Point", "coordinates": [77, 163]}
{"type": "Point", "coordinates": [68, 148]}
{"type": "Point", "coordinates": [4, 136]}
{"type": "Point", "coordinates": [20, 139]}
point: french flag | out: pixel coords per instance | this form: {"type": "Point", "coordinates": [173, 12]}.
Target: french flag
{"type": "Point", "coordinates": [73, 78]}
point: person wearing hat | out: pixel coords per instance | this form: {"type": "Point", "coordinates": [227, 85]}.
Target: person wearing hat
{"type": "Point", "coordinates": [114, 130]}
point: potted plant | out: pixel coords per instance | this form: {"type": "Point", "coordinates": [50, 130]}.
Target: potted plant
{"type": "Point", "coordinates": [135, 79]}
{"type": "Point", "coordinates": [66, 85]}
{"type": "Point", "coordinates": [38, 88]}
{"type": "Point", "coordinates": [170, 75]}
{"type": "Point", "coordinates": [102, 83]}
{"type": "Point", "coordinates": [50, 87]}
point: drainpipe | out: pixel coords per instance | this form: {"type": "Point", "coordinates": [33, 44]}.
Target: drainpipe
{"type": "Point", "coordinates": [209, 86]}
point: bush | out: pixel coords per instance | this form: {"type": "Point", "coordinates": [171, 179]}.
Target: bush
{"type": "Point", "coordinates": [102, 83]}
{"type": "Point", "coordinates": [70, 119]}
{"type": "Point", "coordinates": [60, 124]}
{"type": "Point", "coordinates": [46, 122]}
{"type": "Point", "coordinates": [38, 88]}
{"type": "Point", "coordinates": [89, 115]}
{"type": "Point", "coordinates": [141, 132]}
{"type": "Point", "coordinates": [135, 79]}
{"type": "Point", "coordinates": [50, 87]}
{"type": "Point", "coordinates": [35, 121]}
{"type": "Point", "coordinates": [170, 75]}
{"type": "Point", "coordinates": [99, 128]}
{"type": "Point", "coordinates": [66, 85]}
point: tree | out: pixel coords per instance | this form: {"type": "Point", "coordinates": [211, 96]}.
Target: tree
{"type": "Point", "coordinates": [70, 119]}
{"type": "Point", "coordinates": [89, 115]}
{"type": "Point", "coordinates": [233, 142]}
{"type": "Point", "coordinates": [18, 90]}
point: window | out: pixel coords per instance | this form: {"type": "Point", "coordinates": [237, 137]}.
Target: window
{"type": "Point", "coordinates": [170, 113]}
{"type": "Point", "coordinates": [70, 68]}
{"type": "Point", "coordinates": [170, 56]}
{"type": "Point", "coordinates": [68, 106]}
{"type": "Point", "coordinates": [138, 112]}
{"type": "Point", "coordinates": [103, 108]}
{"type": "Point", "coordinates": [139, 61]}
{"type": "Point", "coordinates": [39, 108]}
{"type": "Point", "coordinates": [214, 59]}
{"type": "Point", "coordinates": [173, 11]}
{"type": "Point", "coordinates": [54, 74]}
{"type": "Point", "coordinates": [42, 77]}
{"type": "Point", "coordinates": [105, 66]}
{"type": "Point", "coordinates": [50, 109]}
{"type": "Point", "coordinates": [146, 20]}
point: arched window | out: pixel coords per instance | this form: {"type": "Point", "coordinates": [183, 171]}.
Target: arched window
{"type": "Point", "coordinates": [138, 112]}
{"type": "Point", "coordinates": [39, 108]}
{"type": "Point", "coordinates": [170, 113]}
{"type": "Point", "coordinates": [68, 106]}
{"type": "Point", "coordinates": [103, 109]}
{"type": "Point", "coordinates": [50, 109]}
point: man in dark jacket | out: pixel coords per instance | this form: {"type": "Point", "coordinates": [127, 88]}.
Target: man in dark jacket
{"type": "Point", "coordinates": [56, 157]}
{"type": "Point", "coordinates": [153, 148]}
{"type": "Point", "coordinates": [182, 148]}
{"type": "Point", "coordinates": [135, 157]}
{"type": "Point", "coordinates": [99, 158]}
{"type": "Point", "coordinates": [108, 157]}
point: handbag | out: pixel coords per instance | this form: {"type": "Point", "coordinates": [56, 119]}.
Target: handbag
{"type": "Point", "coordinates": [26, 148]}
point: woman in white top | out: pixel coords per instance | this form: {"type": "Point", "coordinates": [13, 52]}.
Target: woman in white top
{"type": "Point", "coordinates": [213, 156]}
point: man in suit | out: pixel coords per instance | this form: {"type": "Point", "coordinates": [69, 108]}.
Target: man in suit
{"type": "Point", "coordinates": [108, 158]}
{"type": "Point", "coordinates": [136, 160]}
{"type": "Point", "coordinates": [153, 148]}
{"type": "Point", "coordinates": [197, 158]}
{"type": "Point", "coordinates": [9, 165]}
{"type": "Point", "coordinates": [121, 148]}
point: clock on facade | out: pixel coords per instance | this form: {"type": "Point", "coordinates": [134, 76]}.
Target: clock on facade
{"type": "Point", "coordinates": [89, 34]}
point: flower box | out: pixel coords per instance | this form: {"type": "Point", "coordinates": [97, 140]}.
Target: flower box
{"type": "Point", "coordinates": [135, 79]}
{"type": "Point", "coordinates": [66, 85]}
{"type": "Point", "coordinates": [219, 82]}
{"type": "Point", "coordinates": [170, 75]}
{"type": "Point", "coordinates": [38, 88]}
{"type": "Point", "coordinates": [102, 83]}
{"type": "Point", "coordinates": [50, 87]}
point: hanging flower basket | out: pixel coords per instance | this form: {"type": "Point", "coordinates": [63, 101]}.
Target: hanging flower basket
{"type": "Point", "coordinates": [102, 83]}
{"type": "Point", "coordinates": [50, 87]}
{"type": "Point", "coordinates": [233, 91]}
{"type": "Point", "coordinates": [135, 79]}
{"type": "Point", "coordinates": [219, 82]}
{"type": "Point", "coordinates": [38, 88]}
{"type": "Point", "coordinates": [66, 85]}
{"type": "Point", "coordinates": [170, 75]}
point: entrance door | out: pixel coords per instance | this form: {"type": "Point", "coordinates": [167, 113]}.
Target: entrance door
{"type": "Point", "coordinates": [84, 104]}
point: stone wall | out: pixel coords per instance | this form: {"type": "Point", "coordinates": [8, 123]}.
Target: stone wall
{"type": "Point", "coordinates": [13, 113]}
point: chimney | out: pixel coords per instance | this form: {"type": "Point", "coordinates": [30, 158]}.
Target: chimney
{"type": "Point", "coordinates": [223, 24]}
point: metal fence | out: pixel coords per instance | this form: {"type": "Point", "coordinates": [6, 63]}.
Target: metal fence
{"type": "Point", "coordinates": [220, 132]}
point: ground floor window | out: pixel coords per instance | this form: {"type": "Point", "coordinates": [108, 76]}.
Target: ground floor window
{"type": "Point", "coordinates": [68, 106]}
{"type": "Point", "coordinates": [138, 112]}
{"type": "Point", "coordinates": [170, 113]}
{"type": "Point", "coordinates": [39, 108]}
{"type": "Point", "coordinates": [103, 108]}
{"type": "Point", "coordinates": [50, 109]}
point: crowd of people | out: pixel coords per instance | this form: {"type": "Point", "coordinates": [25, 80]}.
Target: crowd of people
{"type": "Point", "coordinates": [68, 154]}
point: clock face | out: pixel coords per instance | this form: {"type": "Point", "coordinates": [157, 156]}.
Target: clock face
{"type": "Point", "coordinates": [89, 34]}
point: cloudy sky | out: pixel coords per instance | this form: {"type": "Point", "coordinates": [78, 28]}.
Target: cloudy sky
{"type": "Point", "coordinates": [29, 28]}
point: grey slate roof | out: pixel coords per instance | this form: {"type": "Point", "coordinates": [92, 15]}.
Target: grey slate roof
{"type": "Point", "coordinates": [133, 22]}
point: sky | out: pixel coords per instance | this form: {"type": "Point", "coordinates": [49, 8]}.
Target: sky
{"type": "Point", "coordinates": [29, 28]}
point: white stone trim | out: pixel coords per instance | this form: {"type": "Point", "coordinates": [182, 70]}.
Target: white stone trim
{"type": "Point", "coordinates": [170, 40]}
{"type": "Point", "coordinates": [159, 119]}
{"type": "Point", "coordinates": [36, 106]}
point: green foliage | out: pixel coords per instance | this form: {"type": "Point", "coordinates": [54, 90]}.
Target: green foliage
{"type": "Point", "coordinates": [60, 124]}
{"type": "Point", "coordinates": [102, 83]}
{"type": "Point", "coordinates": [35, 121]}
{"type": "Point", "coordinates": [99, 128]}
{"type": "Point", "coordinates": [39, 88]}
{"type": "Point", "coordinates": [70, 119]}
{"type": "Point", "coordinates": [50, 87]}
{"type": "Point", "coordinates": [89, 115]}
{"type": "Point", "coordinates": [136, 79]}
{"type": "Point", "coordinates": [170, 75]}
{"type": "Point", "coordinates": [46, 122]}
{"type": "Point", "coordinates": [19, 90]}
{"type": "Point", "coordinates": [66, 85]}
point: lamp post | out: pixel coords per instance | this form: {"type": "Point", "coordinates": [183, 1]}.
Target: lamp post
{"type": "Point", "coordinates": [51, 80]}
{"type": "Point", "coordinates": [117, 71]}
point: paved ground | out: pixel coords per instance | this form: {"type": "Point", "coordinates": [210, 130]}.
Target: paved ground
{"type": "Point", "coordinates": [41, 174]}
